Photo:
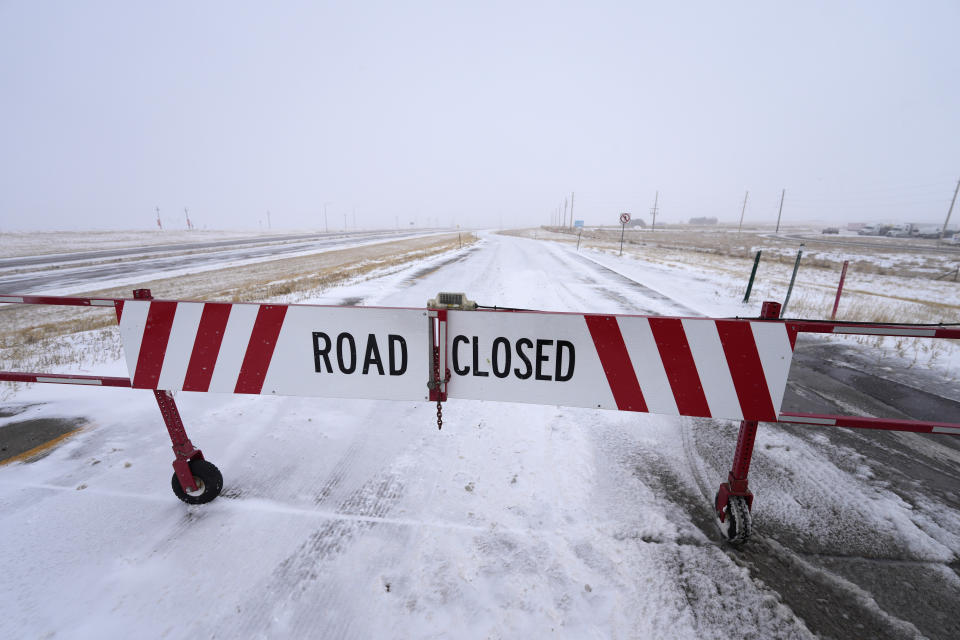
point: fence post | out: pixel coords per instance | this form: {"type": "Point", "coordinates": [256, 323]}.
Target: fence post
{"type": "Point", "coordinates": [578, 239]}
{"type": "Point", "coordinates": [793, 278]}
{"type": "Point", "coordinates": [836, 303]}
{"type": "Point", "coordinates": [753, 274]}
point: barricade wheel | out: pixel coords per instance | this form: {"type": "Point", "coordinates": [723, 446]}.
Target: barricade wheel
{"type": "Point", "coordinates": [738, 521]}
{"type": "Point", "coordinates": [209, 483]}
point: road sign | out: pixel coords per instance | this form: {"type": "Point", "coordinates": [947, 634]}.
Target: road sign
{"type": "Point", "coordinates": [578, 224]}
{"type": "Point", "coordinates": [733, 369]}
{"type": "Point", "coordinates": [624, 218]}
{"type": "Point", "coordinates": [294, 350]}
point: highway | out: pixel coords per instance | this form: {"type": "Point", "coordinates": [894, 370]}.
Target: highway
{"type": "Point", "coordinates": [94, 269]}
{"type": "Point", "coordinates": [358, 519]}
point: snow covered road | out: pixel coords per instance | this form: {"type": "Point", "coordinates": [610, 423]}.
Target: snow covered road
{"type": "Point", "coordinates": [67, 273]}
{"type": "Point", "coordinates": [358, 519]}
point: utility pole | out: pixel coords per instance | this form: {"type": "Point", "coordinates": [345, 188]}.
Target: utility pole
{"type": "Point", "coordinates": [571, 209]}
{"type": "Point", "coordinates": [564, 212]}
{"type": "Point", "coordinates": [947, 221]}
{"type": "Point", "coordinates": [326, 225]}
{"type": "Point", "coordinates": [159, 224]}
{"type": "Point", "coordinates": [653, 212]}
{"type": "Point", "coordinates": [743, 210]}
{"type": "Point", "coordinates": [344, 220]}
{"type": "Point", "coordinates": [268, 220]}
{"type": "Point", "coordinates": [189, 224]}
{"type": "Point", "coordinates": [782, 195]}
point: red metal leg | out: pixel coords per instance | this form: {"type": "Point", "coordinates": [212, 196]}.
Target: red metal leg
{"type": "Point", "coordinates": [182, 447]}
{"type": "Point", "coordinates": [736, 484]}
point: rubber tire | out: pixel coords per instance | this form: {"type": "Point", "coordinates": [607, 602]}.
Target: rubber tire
{"type": "Point", "coordinates": [209, 481]}
{"type": "Point", "coordinates": [741, 525]}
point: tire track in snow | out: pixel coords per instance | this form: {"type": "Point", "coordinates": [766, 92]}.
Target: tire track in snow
{"type": "Point", "coordinates": [300, 578]}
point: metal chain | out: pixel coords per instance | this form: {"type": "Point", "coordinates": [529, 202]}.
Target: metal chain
{"type": "Point", "coordinates": [436, 382]}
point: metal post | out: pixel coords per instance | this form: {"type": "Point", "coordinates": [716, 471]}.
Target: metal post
{"type": "Point", "coordinates": [623, 226]}
{"type": "Point", "coordinates": [843, 276]}
{"type": "Point", "coordinates": [183, 449]}
{"type": "Point", "coordinates": [753, 274]}
{"type": "Point", "coordinates": [578, 239]}
{"type": "Point", "coordinates": [793, 278]}
{"type": "Point", "coordinates": [742, 456]}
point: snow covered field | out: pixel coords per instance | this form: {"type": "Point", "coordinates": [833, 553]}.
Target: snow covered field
{"type": "Point", "coordinates": [34, 243]}
{"type": "Point", "coordinates": [882, 284]}
{"type": "Point", "coordinates": [358, 519]}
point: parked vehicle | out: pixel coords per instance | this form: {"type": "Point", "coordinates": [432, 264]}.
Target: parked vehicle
{"type": "Point", "coordinates": [899, 231]}
{"type": "Point", "coordinates": [869, 230]}
{"type": "Point", "coordinates": [926, 231]}
{"type": "Point", "coordinates": [831, 230]}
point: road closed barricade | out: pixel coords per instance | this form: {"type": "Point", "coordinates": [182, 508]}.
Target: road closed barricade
{"type": "Point", "coordinates": [735, 369]}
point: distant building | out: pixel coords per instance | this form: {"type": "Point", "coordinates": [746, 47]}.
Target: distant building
{"type": "Point", "coordinates": [703, 221]}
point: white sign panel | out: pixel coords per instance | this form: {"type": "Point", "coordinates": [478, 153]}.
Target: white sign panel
{"type": "Point", "coordinates": [298, 350]}
{"type": "Point", "coordinates": [540, 358]}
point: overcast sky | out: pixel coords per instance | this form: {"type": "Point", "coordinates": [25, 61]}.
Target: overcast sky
{"type": "Point", "coordinates": [474, 113]}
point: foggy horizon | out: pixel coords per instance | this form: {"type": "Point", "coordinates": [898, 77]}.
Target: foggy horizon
{"type": "Point", "coordinates": [481, 116]}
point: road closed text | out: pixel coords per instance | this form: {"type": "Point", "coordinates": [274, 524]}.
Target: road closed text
{"type": "Point", "coordinates": [541, 359]}
{"type": "Point", "coordinates": [359, 355]}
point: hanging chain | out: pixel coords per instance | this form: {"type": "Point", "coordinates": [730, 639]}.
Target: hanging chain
{"type": "Point", "coordinates": [436, 386]}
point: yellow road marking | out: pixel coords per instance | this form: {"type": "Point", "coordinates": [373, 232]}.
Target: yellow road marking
{"type": "Point", "coordinates": [26, 455]}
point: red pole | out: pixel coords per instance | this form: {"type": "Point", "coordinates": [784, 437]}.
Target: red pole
{"type": "Point", "coordinates": [736, 484]}
{"type": "Point", "coordinates": [182, 447]}
{"type": "Point", "coordinates": [843, 276]}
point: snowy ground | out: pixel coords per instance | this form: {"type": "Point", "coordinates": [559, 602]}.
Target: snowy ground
{"type": "Point", "coordinates": [64, 274]}
{"type": "Point", "coordinates": [357, 519]}
{"type": "Point", "coordinates": [30, 243]}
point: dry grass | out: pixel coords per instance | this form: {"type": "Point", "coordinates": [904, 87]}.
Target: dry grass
{"type": "Point", "coordinates": [884, 256]}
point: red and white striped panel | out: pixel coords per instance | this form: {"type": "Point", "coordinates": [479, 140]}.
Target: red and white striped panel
{"type": "Point", "coordinates": [734, 369]}
{"type": "Point", "coordinates": [254, 348]}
